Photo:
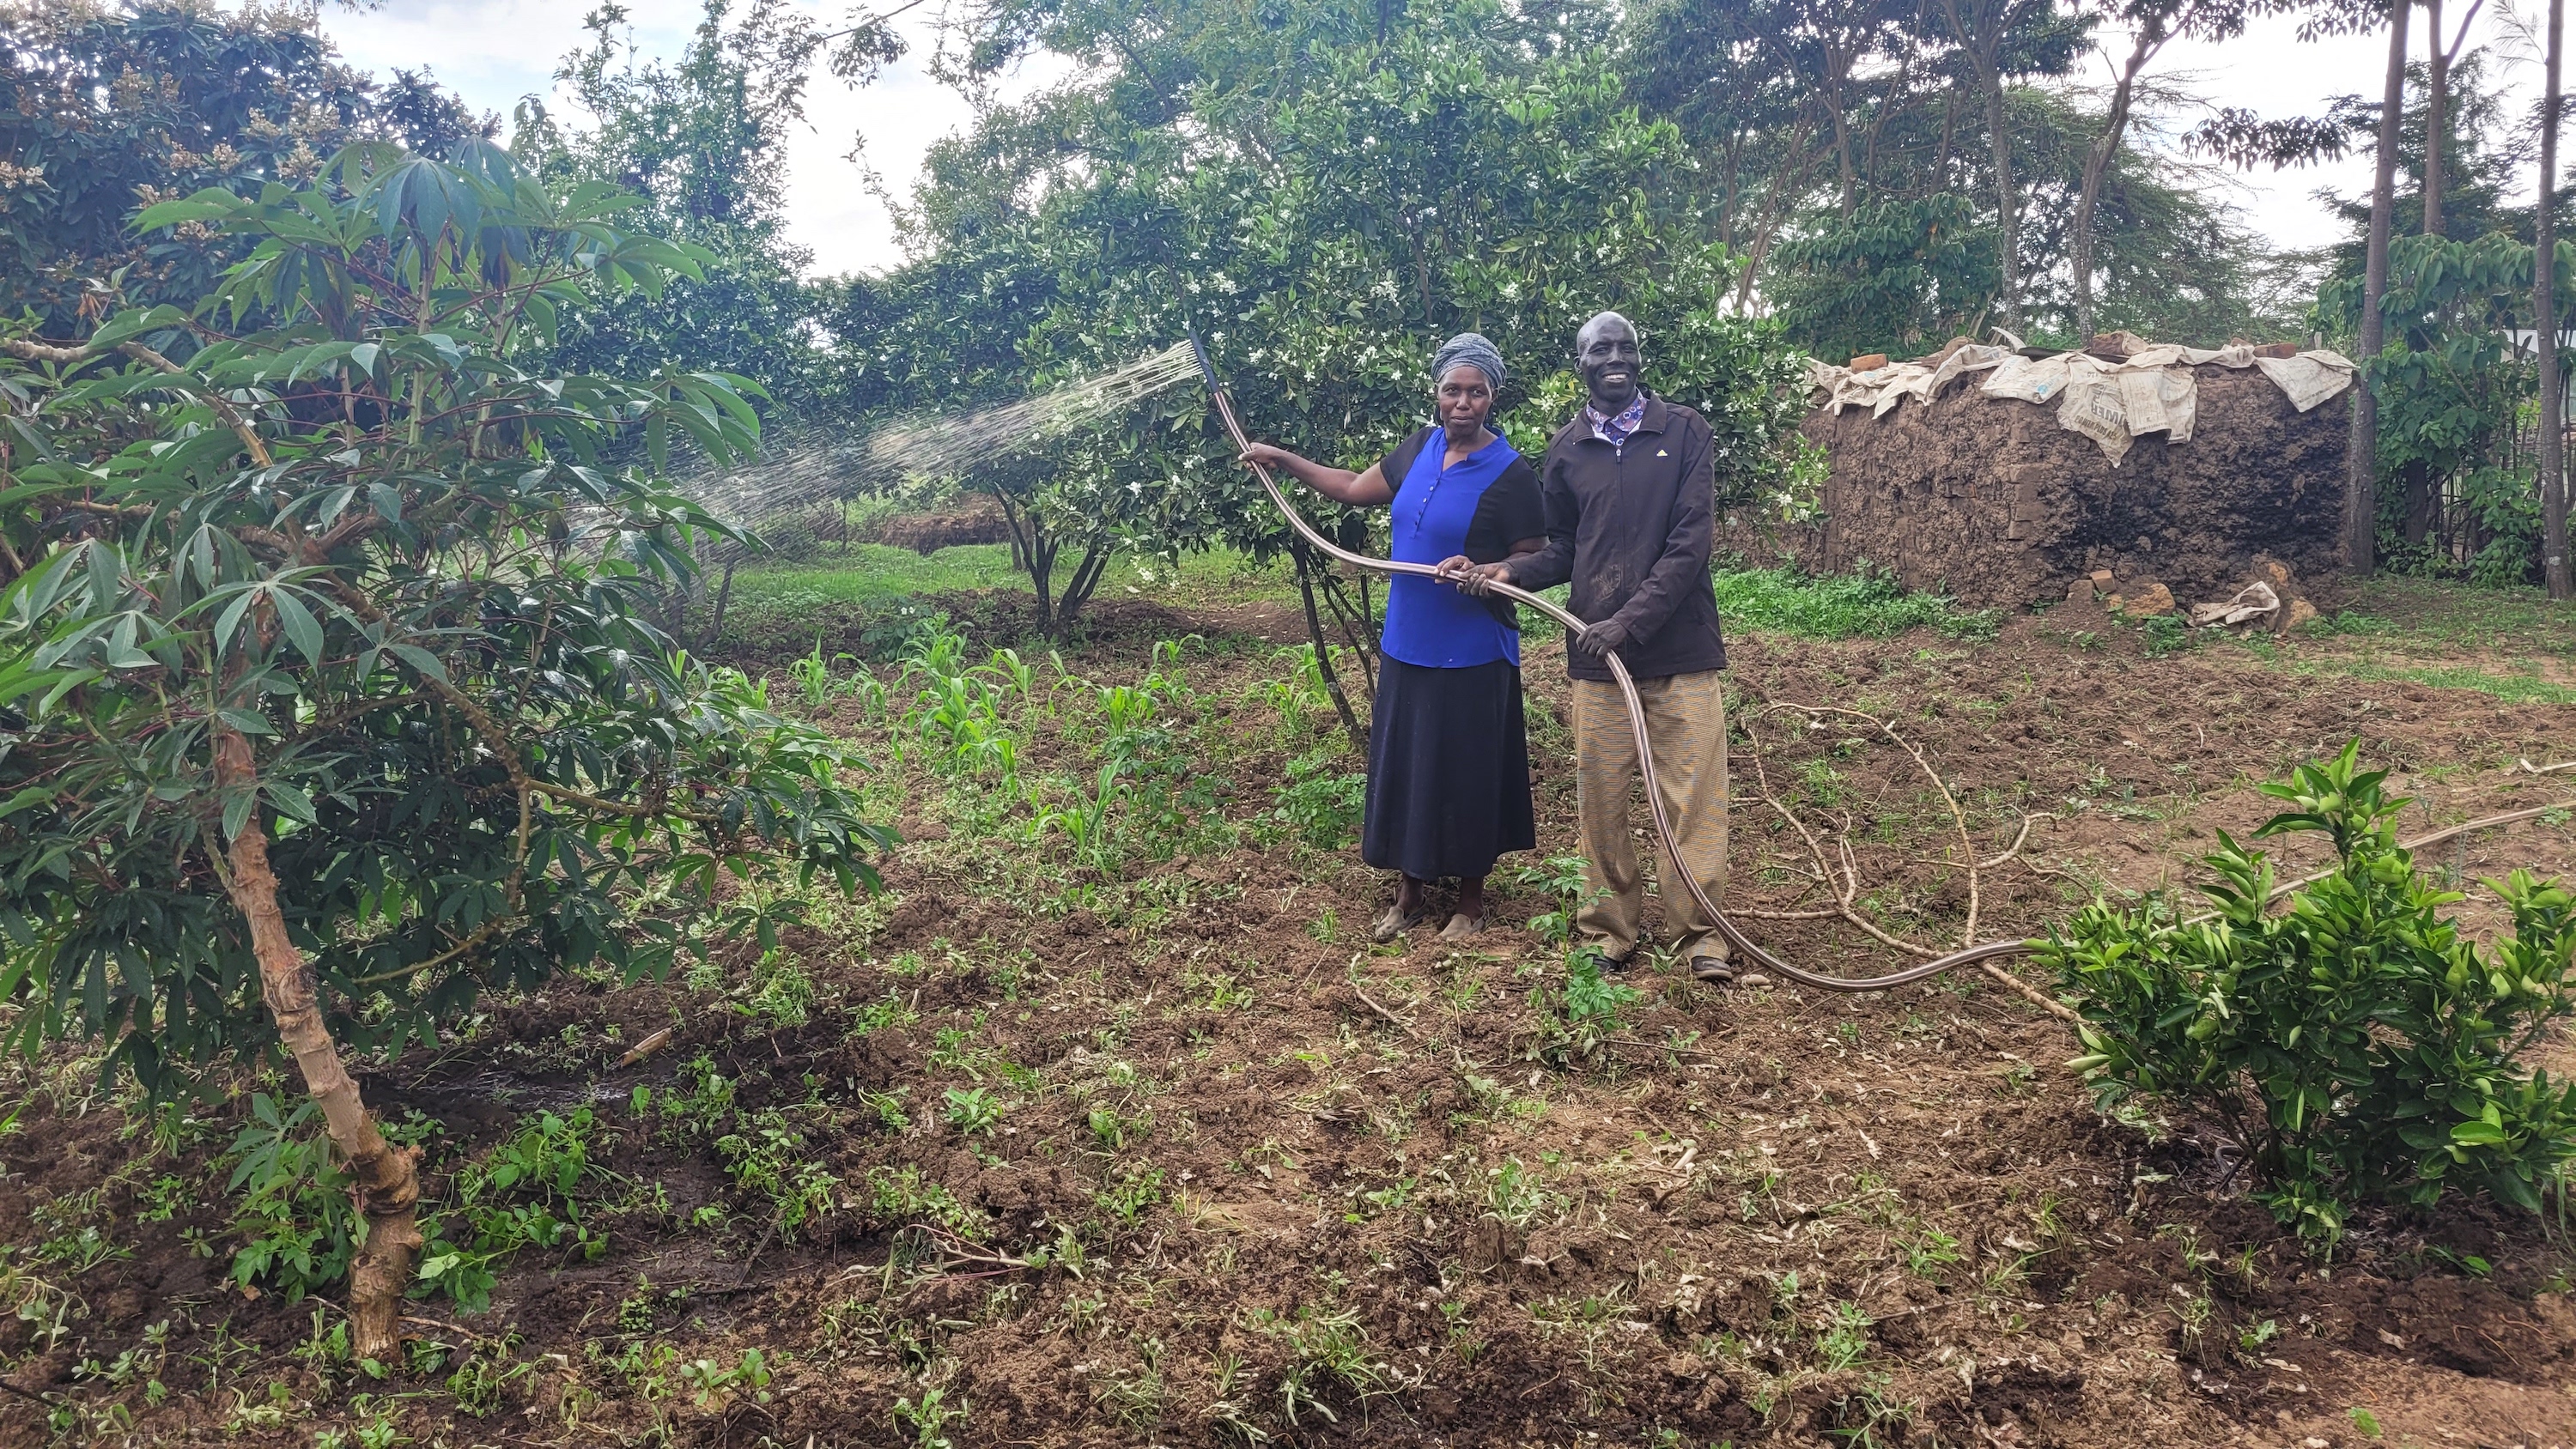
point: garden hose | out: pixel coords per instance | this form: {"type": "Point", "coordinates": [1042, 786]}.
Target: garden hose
{"type": "Point", "coordinates": [1972, 956]}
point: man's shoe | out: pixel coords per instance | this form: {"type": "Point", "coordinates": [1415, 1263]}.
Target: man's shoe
{"type": "Point", "coordinates": [1715, 970]}
{"type": "Point", "coordinates": [1609, 964]}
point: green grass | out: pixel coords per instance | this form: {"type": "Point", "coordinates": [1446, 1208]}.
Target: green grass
{"type": "Point", "coordinates": [872, 588]}
{"type": "Point", "coordinates": [2512, 688]}
{"type": "Point", "coordinates": [2393, 610]}
{"type": "Point", "coordinates": [1840, 606]}
{"type": "Point", "coordinates": [2416, 630]}
{"type": "Point", "coordinates": [783, 603]}
{"type": "Point", "coordinates": [871, 573]}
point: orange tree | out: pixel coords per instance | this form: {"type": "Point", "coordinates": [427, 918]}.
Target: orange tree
{"type": "Point", "coordinates": [330, 703]}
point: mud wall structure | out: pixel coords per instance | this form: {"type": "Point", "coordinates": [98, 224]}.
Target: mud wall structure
{"type": "Point", "coordinates": [1993, 501]}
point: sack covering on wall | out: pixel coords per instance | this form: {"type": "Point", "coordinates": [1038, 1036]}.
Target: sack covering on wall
{"type": "Point", "coordinates": [2152, 390]}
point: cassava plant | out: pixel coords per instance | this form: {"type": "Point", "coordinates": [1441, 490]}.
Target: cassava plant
{"type": "Point", "coordinates": [327, 683]}
{"type": "Point", "coordinates": [2353, 1046]}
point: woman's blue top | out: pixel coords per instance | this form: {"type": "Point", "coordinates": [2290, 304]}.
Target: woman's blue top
{"type": "Point", "coordinates": [1479, 507]}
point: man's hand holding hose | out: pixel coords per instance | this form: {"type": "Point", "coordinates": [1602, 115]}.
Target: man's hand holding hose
{"type": "Point", "coordinates": [1598, 639]}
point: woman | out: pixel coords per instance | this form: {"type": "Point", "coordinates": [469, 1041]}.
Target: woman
{"type": "Point", "coordinates": [1448, 784]}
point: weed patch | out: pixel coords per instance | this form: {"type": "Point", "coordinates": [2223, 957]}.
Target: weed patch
{"type": "Point", "coordinates": [1863, 604]}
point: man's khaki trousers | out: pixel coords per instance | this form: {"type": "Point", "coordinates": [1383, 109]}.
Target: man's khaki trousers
{"type": "Point", "coordinates": [1686, 727]}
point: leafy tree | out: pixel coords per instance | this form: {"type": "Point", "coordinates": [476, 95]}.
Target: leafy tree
{"type": "Point", "coordinates": [104, 108]}
{"type": "Point", "coordinates": [327, 680]}
{"type": "Point", "coordinates": [1893, 173]}
{"type": "Point", "coordinates": [2481, 153]}
{"type": "Point", "coordinates": [2449, 392]}
{"type": "Point", "coordinates": [1896, 268]}
{"type": "Point", "coordinates": [1398, 196]}
{"type": "Point", "coordinates": [2150, 25]}
{"type": "Point", "coordinates": [703, 140]}
{"type": "Point", "coordinates": [2004, 40]}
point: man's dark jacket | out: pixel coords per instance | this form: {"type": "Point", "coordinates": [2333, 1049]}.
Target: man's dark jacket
{"type": "Point", "coordinates": [1632, 526]}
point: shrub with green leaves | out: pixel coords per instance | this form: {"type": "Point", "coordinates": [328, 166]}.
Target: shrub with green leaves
{"type": "Point", "coordinates": [1866, 603]}
{"type": "Point", "coordinates": [291, 1207]}
{"type": "Point", "coordinates": [1584, 1013]}
{"type": "Point", "coordinates": [2354, 1047]}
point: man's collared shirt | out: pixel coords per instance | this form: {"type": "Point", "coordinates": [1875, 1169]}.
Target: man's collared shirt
{"type": "Point", "coordinates": [1615, 431]}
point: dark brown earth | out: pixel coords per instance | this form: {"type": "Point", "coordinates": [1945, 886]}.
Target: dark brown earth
{"type": "Point", "coordinates": [974, 518]}
{"type": "Point", "coordinates": [1757, 1216]}
{"type": "Point", "coordinates": [1989, 500]}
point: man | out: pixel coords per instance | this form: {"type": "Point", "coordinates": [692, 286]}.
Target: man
{"type": "Point", "coordinates": [1630, 490]}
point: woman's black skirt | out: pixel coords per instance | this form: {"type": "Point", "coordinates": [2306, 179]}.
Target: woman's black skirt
{"type": "Point", "coordinates": [1448, 783]}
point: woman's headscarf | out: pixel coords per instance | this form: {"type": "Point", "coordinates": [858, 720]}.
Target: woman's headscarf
{"type": "Point", "coordinates": [1473, 350]}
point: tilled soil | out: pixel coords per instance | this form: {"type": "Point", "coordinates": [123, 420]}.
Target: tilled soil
{"type": "Point", "coordinates": [1290, 1189]}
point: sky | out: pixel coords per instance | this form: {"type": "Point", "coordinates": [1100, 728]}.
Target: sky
{"type": "Point", "coordinates": [493, 52]}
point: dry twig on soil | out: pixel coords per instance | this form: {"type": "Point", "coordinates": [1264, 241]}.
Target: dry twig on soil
{"type": "Point", "coordinates": [1401, 1024]}
{"type": "Point", "coordinates": [1849, 877]}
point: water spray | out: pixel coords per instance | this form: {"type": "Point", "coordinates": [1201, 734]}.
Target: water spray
{"type": "Point", "coordinates": [1978, 955]}
{"type": "Point", "coordinates": [941, 447]}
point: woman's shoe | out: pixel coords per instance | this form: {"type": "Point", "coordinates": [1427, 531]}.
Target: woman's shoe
{"type": "Point", "coordinates": [1394, 921]}
{"type": "Point", "coordinates": [1461, 927]}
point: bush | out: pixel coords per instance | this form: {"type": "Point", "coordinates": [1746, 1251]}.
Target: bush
{"type": "Point", "coordinates": [292, 1214]}
{"type": "Point", "coordinates": [2354, 1047]}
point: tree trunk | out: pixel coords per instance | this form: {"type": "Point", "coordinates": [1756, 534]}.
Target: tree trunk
{"type": "Point", "coordinates": [724, 595]}
{"type": "Point", "coordinates": [1324, 650]}
{"type": "Point", "coordinates": [1032, 553]}
{"type": "Point", "coordinates": [1784, 182]}
{"type": "Point", "coordinates": [1983, 43]}
{"type": "Point", "coordinates": [2097, 164]}
{"type": "Point", "coordinates": [1079, 588]}
{"type": "Point", "coordinates": [2544, 298]}
{"type": "Point", "coordinates": [2007, 207]}
{"type": "Point", "coordinates": [2437, 94]}
{"type": "Point", "coordinates": [387, 1191]}
{"type": "Point", "coordinates": [2361, 455]}
{"type": "Point", "coordinates": [1042, 577]}
{"type": "Point", "coordinates": [1836, 67]}
{"type": "Point", "coordinates": [1734, 174]}
{"type": "Point", "coordinates": [2423, 501]}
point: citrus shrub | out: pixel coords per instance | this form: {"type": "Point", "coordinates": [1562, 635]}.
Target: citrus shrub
{"type": "Point", "coordinates": [2354, 1047]}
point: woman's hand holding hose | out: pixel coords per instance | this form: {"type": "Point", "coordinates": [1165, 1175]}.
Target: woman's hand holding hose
{"type": "Point", "coordinates": [1471, 577]}
{"type": "Point", "coordinates": [1359, 490]}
